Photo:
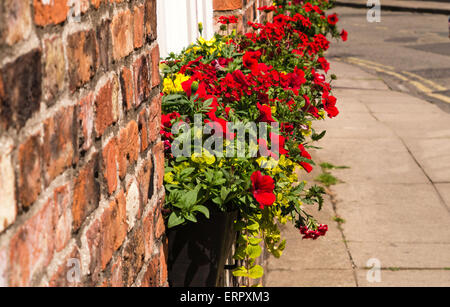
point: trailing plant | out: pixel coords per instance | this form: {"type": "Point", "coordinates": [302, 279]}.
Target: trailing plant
{"type": "Point", "coordinates": [274, 75]}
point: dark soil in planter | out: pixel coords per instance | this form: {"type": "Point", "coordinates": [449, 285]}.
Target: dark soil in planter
{"type": "Point", "coordinates": [197, 251]}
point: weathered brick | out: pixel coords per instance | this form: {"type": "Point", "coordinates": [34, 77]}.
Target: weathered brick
{"type": "Point", "coordinates": [29, 157]}
{"type": "Point", "coordinates": [145, 181]}
{"type": "Point", "coordinates": [128, 147]}
{"type": "Point", "coordinates": [122, 34]}
{"type": "Point", "coordinates": [50, 12]}
{"type": "Point", "coordinates": [133, 203]}
{"type": "Point", "coordinates": [54, 67]}
{"type": "Point", "coordinates": [60, 143]}
{"type": "Point", "coordinates": [156, 78]}
{"type": "Point", "coordinates": [8, 210]}
{"type": "Point", "coordinates": [106, 105]}
{"type": "Point", "coordinates": [143, 129]}
{"type": "Point", "coordinates": [133, 256]}
{"type": "Point", "coordinates": [163, 258]}
{"type": "Point", "coordinates": [86, 121]}
{"type": "Point", "coordinates": [160, 226]}
{"type": "Point", "coordinates": [16, 19]}
{"type": "Point", "coordinates": [158, 152]}
{"type": "Point", "coordinates": [150, 20]}
{"type": "Point", "coordinates": [85, 192]}
{"type": "Point", "coordinates": [107, 234]}
{"type": "Point", "coordinates": [3, 266]}
{"type": "Point", "coordinates": [154, 123]}
{"type": "Point", "coordinates": [21, 83]}
{"type": "Point", "coordinates": [117, 273]}
{"type": "Point", "coordinates": [142, 82]}
{"type": "Point", "coordinates": [82, 54]}
{"type": "Point", "coordinates": [227, 5]}
{"type": "Point", "coordinates": [149, 238]}
{"type": "Point", "coordinates": [32, 246]}
{"type": "Point", "coordinates": [126, 83]}
{"type": "Point", "coordinates": [104, 41]}
{"type": "Point", "coordinates": [138, 26]}
{"type": "Point", "coordinates": [110, 156]}
{"type": "Point", "coordinates": [151, 275]}
{"type": "Point", "coordinates": [68, 274]}
{"type": "Point", "coordinates": [63, 200]}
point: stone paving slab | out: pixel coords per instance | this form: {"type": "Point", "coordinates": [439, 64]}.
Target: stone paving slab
{"type": "Point", "coordinates": [310, 278]}
{"type": "Point", "coordinates": [407, 278]}
{"type": "Point", "coordinates": [401, 255]}
{"type": "Point", "coordinates": [444, 190]}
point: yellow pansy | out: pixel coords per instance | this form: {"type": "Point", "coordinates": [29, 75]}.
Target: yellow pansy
{"type": "Point", "coordinates": [174, 85]}
{"type": "Point", "coordinates": [205, 157]}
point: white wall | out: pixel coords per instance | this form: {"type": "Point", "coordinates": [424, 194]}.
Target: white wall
{"type": "Point", "coordinates": [178, 23]}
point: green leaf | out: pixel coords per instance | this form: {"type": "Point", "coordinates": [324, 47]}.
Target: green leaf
{"type": "Point", "coordinates": [201, 209]}
{"type": "Point", "coordinates": [240, 272]}
{"type": "Point", "coordinates": [224, 193]}
{"type": "Point", "coordinates": [256, 272]}
{"type": "Point", "coordinates": [190, 198]}
{"type": "Point", "coordinates": [191, 217]}
{"type": "Point", "coordinates": [253, 251]}
{"type": "Point", "coordinates": [187, 171]}
{"type": "Point", "coordinates": [175, 220]}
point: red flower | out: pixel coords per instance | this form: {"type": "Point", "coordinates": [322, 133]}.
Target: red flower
{"type": "Point", "coordinates": [306, 155]}
{"type": "Point", "coordinates": [250, 60]}
{"type": "Point", "coordinates": [227, 20]}
{"type": "Point", "coordinates": [313, 234]}
{"type": "Point", "coordinates": [333, 19]}
{"type": "Point", "coordinates": [344, 35]}
{"type": "Point", "coordinates": [262, 189]}
{"type": "Point", "coordinates": [265, 113]}
{"type": "Point", "coordinates": [329, 104]}
{"type": "Point", "coordinates": [324, 63]}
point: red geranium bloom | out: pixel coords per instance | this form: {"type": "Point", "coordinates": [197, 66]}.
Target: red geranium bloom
{"type": "Point", "coordinates": [250, 59]}
{"type": "Point", "coordinates": [265, 113]}
{"type": "Point", "coordinates": [262, 189]}
{"type": "Point", "coordinates": [344, 35]}
{"type": "Point", "coordinates": [227, 19]}
{"type": "Point", "coordinates": [324, 63]}
{"type": "Point", "coordinates": [306, 155]}
{"type": "Point", "coordinates": [333, 19]}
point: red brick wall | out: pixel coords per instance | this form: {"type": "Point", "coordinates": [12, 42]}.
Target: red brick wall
{"type": "Point", "coordinates": [246, 10]}
{"type": "Point", "coordinates": [81, 162]}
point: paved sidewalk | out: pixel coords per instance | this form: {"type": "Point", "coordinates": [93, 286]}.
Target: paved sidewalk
{"type": "Point", "coordinates": [403, 5]}
{"type": "Point", "coordinates": [394, 198]}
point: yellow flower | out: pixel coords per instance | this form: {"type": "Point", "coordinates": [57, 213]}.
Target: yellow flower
{"type": "Point", "coordinates": [205, 157]}
{"type": "Point", "coordinates": [174, 85]}
{"type": "Point", "coordinates": [168, 177]}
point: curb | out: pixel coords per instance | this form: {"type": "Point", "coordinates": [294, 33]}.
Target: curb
{"type": "Point", "coordinates": [391, 7]}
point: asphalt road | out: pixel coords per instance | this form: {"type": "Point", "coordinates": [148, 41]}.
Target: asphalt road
{"type": "Point", "coordinates": [409, 51]}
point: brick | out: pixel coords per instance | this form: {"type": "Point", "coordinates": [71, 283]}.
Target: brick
{"type": "Point", "coordinates": [227, 5]}
{"type": "Point", "coordinates": [8, 210]}
{"type": "Point", "coordinates": [138, 26]}
{"type": "Point", "coordinates": [128, 147]}
{"type": "Point", "coordinates": [54, 67]}
{"type": "Point", "coordinates": [150, 20]}
{"type": "Point", "coordinates": [82, 54]}
{"type": "Point", "coordinates": [16, 19]}
{"type": "Point", "coordinates": [145, 181]}
{"type": "Point", "coordinates": [143, 129]}
{"type": "Point", "coordinates": [104, 41]}
{"type": "Point", "coordinates": [154, 119]}
{"type": "Point", "coordinates": [60, 143]}
{"type": "Point", "coordinates": [117, 273]}
{"type": "Point", "coordinates": [62, 200]}
{"type": "Point", "coordinates": [85, 192]}
{"type": "Point", "coordinates": [97, 3]}
{"type": "Point", "coordinates": [21, 83]}
{"type": "Point", "coordinates": [151, 275]}
{"type": "Point", "coordinates": [142, 82]}
{"type": "Point", "coordinates": [133, 203]}
{"type": "Point", "coordinates": [32, 246]}
{"type": "Point", "coordinates": [149, 238]}
{"type": "Point", "coordinates": [107, 234]}
{"type": "Point", "coordinates": [110, 156]}
{"type": "Point", "coordinates": [156, 78]}
{"type": "Point", "coordinates": [126, 83]}
{"type": "Point", "coordinates": [158, 152]}
{"type": "Point", "coordinates": [50, 12]}
{"type": "Point", "coordinates": [106, 106]}
{"type": "Point", "coordinates": [85, 114]}
{"type": "Point", "coordinates": [163, 258]}
{"type": "Point", "coordinates": [122, 34]}
{"type": "Point", "coordinates": [160, 226]}
{"type": "Point", "coordinates": [133, 256]}
{"type": "Point", "coordinates": [29, 157]}
{"type": "Point", "coordinates": [3, 267]}
{"type": "Point", "coordinates": [68, 271]}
